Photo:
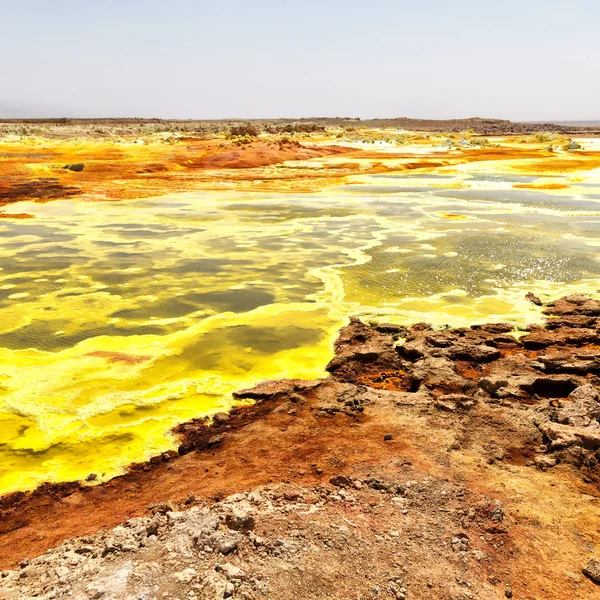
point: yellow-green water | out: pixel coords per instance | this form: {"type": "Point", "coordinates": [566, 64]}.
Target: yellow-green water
{"type": "Point", "coordinates": [120, 320]}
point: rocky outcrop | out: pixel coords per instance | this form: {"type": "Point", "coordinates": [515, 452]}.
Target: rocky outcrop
{"type": "Point", "coordinates": [552, 371]}
{"type": "Point", "coordinates": [387, 455]}
{"type": "Point", "coordinates": [281, 541]}
{"type": "Point", "coordinates": [361, 350]}
{"type": "Point", "coordinates": [76, 167]}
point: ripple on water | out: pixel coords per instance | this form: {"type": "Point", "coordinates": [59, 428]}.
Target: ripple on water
{"type": "Point", "coordinates": [147, 314]}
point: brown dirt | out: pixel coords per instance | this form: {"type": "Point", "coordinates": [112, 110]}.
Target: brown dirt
{"type": "Point", "coordinates": [263, 446]}
{"type": "Point", "coordinates": [130, 170]}
{"type": "Point", "coordinates": [469, 408]}
{"type": "Point", "coordinates": [140, 171]}
{"type": "Point", "coordinates": [42, 189]}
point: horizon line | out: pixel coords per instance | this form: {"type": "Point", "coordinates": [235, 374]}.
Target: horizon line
{"type": "Point", "coordinates": [311, 118]}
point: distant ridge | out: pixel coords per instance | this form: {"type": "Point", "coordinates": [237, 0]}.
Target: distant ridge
{"type": "Point", "coordinates": [579, 123]}
{"type": "Point", "coordinates": [482, 126]}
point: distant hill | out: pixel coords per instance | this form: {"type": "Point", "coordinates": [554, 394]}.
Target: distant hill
{"type": "Point", "coordinates": [578, 123]}
{"type": "Point", "coordinates": [479, 125]}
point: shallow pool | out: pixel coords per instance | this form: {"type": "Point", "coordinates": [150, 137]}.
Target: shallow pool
{"type": "Point", "coordinates": [120, 320]}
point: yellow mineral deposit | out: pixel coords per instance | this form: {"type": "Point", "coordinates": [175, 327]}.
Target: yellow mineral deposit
{"type": "Point", "coordinates": [120, 320]}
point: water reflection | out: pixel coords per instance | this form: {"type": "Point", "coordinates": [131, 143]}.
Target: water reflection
{"type": "Point", "coordinates": [118, 321]}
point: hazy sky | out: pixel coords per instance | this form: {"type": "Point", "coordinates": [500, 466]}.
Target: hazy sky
{"type": "Point", "coordinates": [517, 59]}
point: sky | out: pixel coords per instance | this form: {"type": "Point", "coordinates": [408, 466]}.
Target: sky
{"type": "Point", "coordinates": [520, 60]}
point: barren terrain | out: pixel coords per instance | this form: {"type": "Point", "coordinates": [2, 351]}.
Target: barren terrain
{"type": "Point", "coordinates": [430, 464]}
{"type": "Point", "coordinates": [437, 464]}
{"type": "Point", "coordinates": [110, 160]}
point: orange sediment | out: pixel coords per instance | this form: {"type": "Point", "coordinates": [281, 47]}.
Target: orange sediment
{"type": "Point", "coordinates": [541, 186]}
{"type": "Point", "coordinates": [114, 357]}
{"type": "Point", "coordinates": [34, 169]}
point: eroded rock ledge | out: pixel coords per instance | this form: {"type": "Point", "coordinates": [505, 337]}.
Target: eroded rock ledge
{"type": "Point", "coordinates": [550, 373]}
{"type": "Point", "coordinates": [430, 464]}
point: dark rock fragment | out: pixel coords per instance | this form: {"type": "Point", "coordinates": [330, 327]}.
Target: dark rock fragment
{"type": "Point", "coordinates": [275, 389]}
{"type": "Point", "coordinates": [340, 481]}
{"type": "Point", "coordinates": [592, 570]}
{"type": "Point", "coordinates": [220, 418]}
{"type": "Point", "coordinates": [216, 440]}
{"type": "Point", "coordinates": [392, 328]}
{"type": "Point", "coordinates": [77, 167]}
{"type": "Point", "coordinates": [185, 448]}
{"type": "Point", "coordinates": [473, 352]}
{"type": "Point", "coordinates": [494, 327]}
{"type": "Point", "coordinates": [377, 484]}
{"type": "Point", "coordinates": [533, 299]}
{"type": "Point", "coordinates": [240, 522]}
{"type": "Point", "coordinates": [540, 339]}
